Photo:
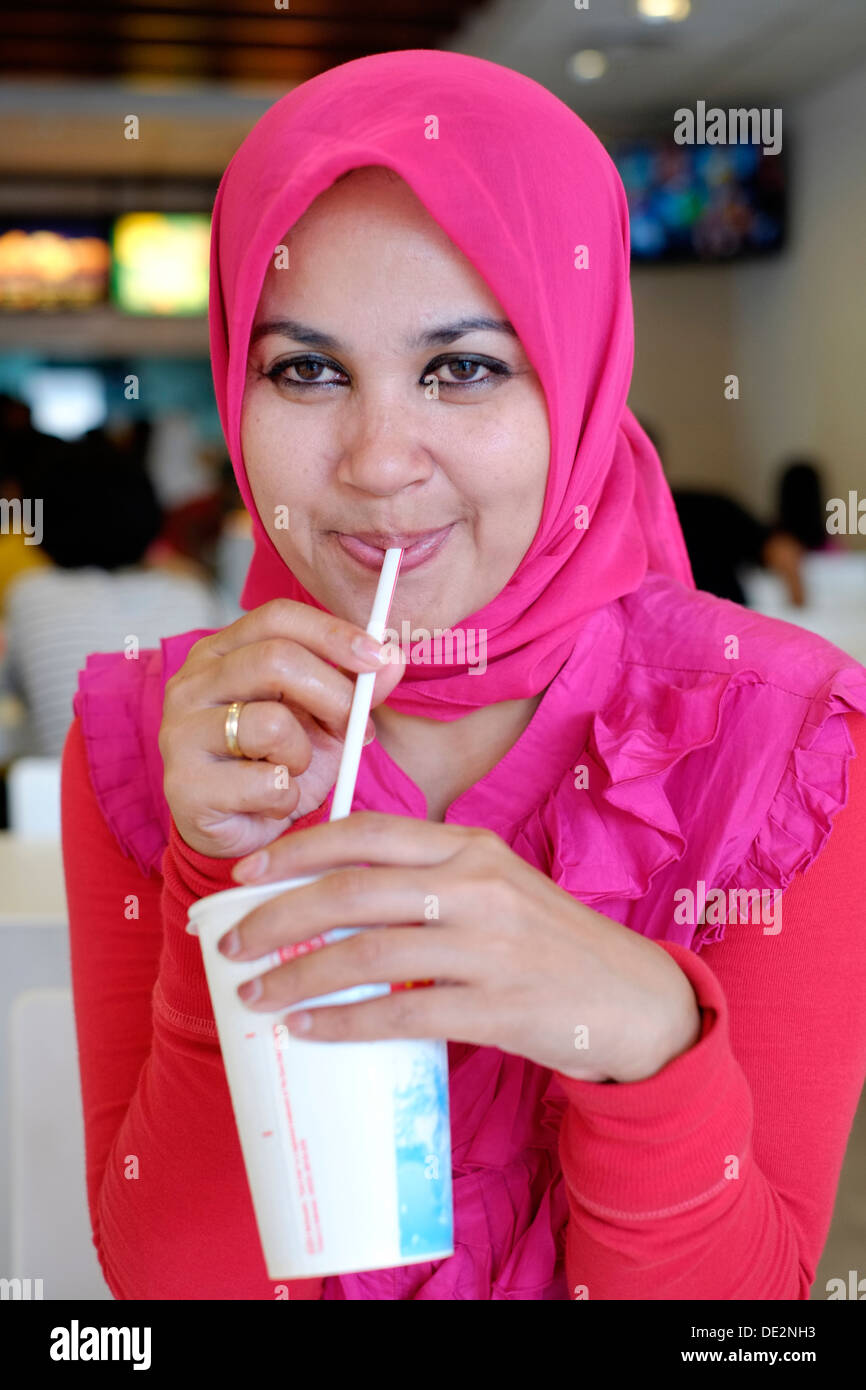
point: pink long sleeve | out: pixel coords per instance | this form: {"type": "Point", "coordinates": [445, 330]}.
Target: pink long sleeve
{"type": "Point", "coordinates": [716, 1178]}
{"type": "Point", "coordinates": [773, 1082]}
{"type": "Point", "coordinates": [169, 1203]}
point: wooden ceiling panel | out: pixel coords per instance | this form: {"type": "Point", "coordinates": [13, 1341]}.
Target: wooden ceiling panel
{"type": "Point", "coordinates": [214, 40]}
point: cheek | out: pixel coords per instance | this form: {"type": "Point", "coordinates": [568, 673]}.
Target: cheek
{"type": "Point", "coordinates": [278, 462]}
{"type": "Point", "coordinates": [524, 463]}
{"type": "Point", "coordinates": [259, 462]}
{"type": "Point", "coordinates": [505, 466]}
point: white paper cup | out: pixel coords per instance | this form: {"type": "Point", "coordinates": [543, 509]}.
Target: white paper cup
{"type": "Point", "coordinates": [347, 1146]}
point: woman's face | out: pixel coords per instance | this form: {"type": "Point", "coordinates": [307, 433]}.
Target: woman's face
{"type": "Point", "coordinates": [341, 436]}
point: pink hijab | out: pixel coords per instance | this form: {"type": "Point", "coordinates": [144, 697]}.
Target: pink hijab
{"type": "Point", "coordinates": [526, 191]}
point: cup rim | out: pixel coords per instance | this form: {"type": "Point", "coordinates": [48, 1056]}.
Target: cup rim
{"type": "Point", "coordinates": [251, 890]}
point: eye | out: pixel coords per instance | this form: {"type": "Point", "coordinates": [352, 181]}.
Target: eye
{"type": "Point", "coordinates": [463, 369]}
{"type": "Point", "coordinates": [308, 369]}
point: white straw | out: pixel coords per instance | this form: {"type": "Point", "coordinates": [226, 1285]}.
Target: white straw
{"type": "Point", "coordinates": [350, 762]}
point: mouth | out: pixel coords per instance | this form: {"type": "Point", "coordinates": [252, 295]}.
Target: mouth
{"type": "Point", "coordinates": [368, 547]}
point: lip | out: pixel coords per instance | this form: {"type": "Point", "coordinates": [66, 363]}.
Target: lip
{"type": "Point", "coordinates": [368, 547]}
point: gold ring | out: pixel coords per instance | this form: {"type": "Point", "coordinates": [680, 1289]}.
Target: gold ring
{"type": "Point", "coordinates": [233, 714]}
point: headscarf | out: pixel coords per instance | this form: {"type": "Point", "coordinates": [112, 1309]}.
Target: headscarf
{"type": "Point", "coordinates": [530, 196]}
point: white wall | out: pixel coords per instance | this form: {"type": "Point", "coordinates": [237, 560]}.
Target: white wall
{"type": "Point", "coordinates": [800, 324]}
{"type": "Point", "coordinates": [683, 336]}
{"type": "Point", "coordinates": [792, 327]}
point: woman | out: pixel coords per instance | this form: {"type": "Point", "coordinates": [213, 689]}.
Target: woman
{"type": "Point", "coordinates": [800, 505]}
{"type": "Point", "coordinates": [441, 343]}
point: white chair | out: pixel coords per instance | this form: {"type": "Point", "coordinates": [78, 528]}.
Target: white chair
{"type": "Point", "coordinates": [50, 1225]}
{"type": "Point", "coordinates": [33, 791]}
{"type": "Point", "coordinates": [835, 587]}
{"type": "Point", "coordinates": [834, 578]}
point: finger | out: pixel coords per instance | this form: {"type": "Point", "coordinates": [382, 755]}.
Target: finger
{"type": "Point", "coordinates": [266, 730]}
{"type": "Point", "coordinates": [453, 1012]}
{"type": "Point", "coordinates": [277, 670]}
{"type": "Point", "coordinates": [381, 955]}
{"type": "Point", "coordinates": [354, 897]}
{"type": "Point", "coordinates": [365, 837]}
{"type": "Point", "coordinates": [388, 679]}
{"type": "Point", "coordinates": [329, 637]}
{"type": "Point", "coordinates": [239, 787]}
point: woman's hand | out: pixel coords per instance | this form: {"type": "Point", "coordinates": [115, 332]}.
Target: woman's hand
{"type": "Point", "coordinates": [294, 665]}
{"type": "Point", "coordinates": [514, 961]}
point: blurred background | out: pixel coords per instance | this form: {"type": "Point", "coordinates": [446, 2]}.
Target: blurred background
{"type": "Point", "coordinates": [748, 285]}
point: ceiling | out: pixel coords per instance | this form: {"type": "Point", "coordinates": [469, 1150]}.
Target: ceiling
{"type": "Point", "coordinates": [763, 52]}
{"type": "Point", "coordinates": [725, 49]}
{"type": "Point", "coordinates": [246, 41]}
{"type": "Point", "coordinates": [203, 71]}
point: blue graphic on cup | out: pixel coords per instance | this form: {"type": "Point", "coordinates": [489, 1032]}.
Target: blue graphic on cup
{"type": "Point", "coordinates": [423, 1152]}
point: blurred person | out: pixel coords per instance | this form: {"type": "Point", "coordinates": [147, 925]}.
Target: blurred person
{"type": "Point", "coordinates": [17, 431]}
{"type": "Point", "coordinates": [100, 587]}
{"type": "Point", "coordinates": [191, 531]}
{"type": "Point", "coordinates": [187, 478]}
{"type": "Point", "coordinates": [186, 537]}
{"type": "Point", "coordinates": [801, 509]}
{"type": "Point", "coordinates": [20, 550]}
{"type": "Point", "coordinates": [123, 439]}
{"type": "Point", "coordinates": [176, 461]}
{"type": "Point", "coordinates": [19, 442]}
{"type": "Point", "coordinates": [722, 536]}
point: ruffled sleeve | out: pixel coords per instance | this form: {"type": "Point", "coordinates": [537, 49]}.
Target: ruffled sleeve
{"type": "Point", "coordinates": [119, 702]}
{"type": "Point", "coordinates": [111, 701]}
{"type": "Point", "coordinates": [608, 832]}
{"type": "Point", "coordinates": [690, 776]}
{"type": "Point", "coordinates": [812, 790]}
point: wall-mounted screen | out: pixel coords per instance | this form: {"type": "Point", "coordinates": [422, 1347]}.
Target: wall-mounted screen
{"type": "Point", "coordinates": [48, 265]}
{"type": "Point", "coordinates": [161, 263]}
{"type": "Point", "coordinates": [701, 202]}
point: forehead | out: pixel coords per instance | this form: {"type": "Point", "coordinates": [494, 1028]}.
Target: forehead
{"type": "Point", "coordinates": [368, 234]}
{"type": "Point", "coordinates": [370, 199]}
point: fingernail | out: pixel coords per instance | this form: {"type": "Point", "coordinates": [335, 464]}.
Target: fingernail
{"type": "Point", "coordinates": [231, 944]}
{"type": "Point", "coordinates": [251, 990]}
{"type": "Point", "coordinates": [369, 738]}
{"type": "Point", "coordinates": [370, 650]}
{"type": "Point", "coordinates": [299, 1023]}
{"type": "Point", "coordinates": [253, 867]}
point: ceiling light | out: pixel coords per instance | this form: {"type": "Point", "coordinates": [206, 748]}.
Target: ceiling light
{"type": "Point", "coordinates": [663, 11]}
{"type": "Point", "coordinates": [587, 65]}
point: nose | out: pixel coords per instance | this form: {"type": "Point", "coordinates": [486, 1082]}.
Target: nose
{"type": "Point", "coordinates": [383, 449]}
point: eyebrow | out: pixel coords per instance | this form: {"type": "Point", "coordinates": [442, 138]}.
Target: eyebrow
{"type": "Point", "coordinates": [444, 333]}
